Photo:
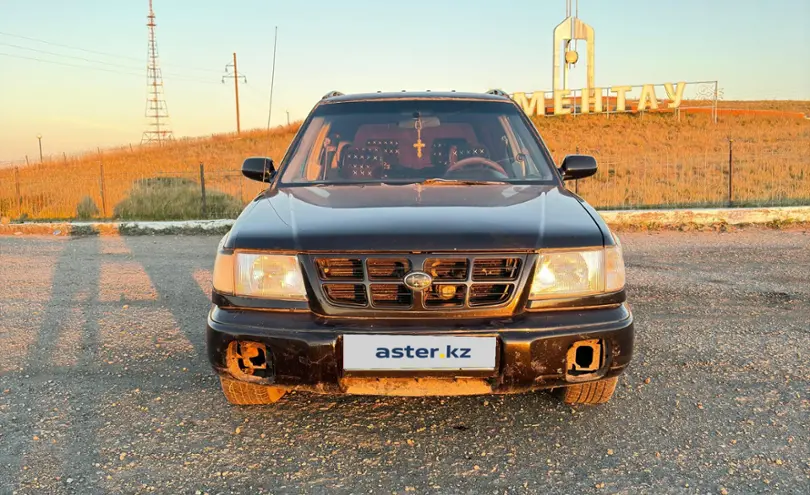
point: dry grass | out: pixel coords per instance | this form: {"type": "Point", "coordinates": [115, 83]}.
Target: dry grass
{"type": "Point", "coordinates": [646, 160]}
{"type": "Point", "coordinates": [657, 160]}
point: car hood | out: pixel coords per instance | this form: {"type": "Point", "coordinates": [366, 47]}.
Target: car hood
{"type": "Point", "coordinates": [414, 217]}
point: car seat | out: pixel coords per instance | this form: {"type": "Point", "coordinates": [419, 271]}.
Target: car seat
{"type": "Point", "coordinates": [446, 151]}
{"type": "Point", "coordinates": [361, 163]}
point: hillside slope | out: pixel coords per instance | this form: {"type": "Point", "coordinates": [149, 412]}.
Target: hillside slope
{"type": "Point", "coordinates": [651, 159]}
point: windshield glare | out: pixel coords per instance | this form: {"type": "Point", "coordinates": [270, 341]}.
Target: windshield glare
{"type": "Point", "coordinates": [415, 140]}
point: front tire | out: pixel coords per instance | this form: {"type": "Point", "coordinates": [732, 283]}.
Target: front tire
{"type": "Point", "coordinates": [249, 394]}
{"type": "Point", "coordinates": [597, 392]}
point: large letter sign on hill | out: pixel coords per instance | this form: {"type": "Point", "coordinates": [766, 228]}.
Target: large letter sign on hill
{"type": "Point", "coordinates": [616, 99]}
{"type": "Point", "coordinates": [602, 100]}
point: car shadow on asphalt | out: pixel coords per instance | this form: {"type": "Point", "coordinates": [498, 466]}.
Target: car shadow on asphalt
{"type": "Point", "coordinates": [178, 291]}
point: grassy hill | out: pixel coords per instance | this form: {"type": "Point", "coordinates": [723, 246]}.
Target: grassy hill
{"type": "Point", "coordinates": [650, 159]}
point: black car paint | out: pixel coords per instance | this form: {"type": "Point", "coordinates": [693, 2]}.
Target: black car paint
{"type": "Point", "coordinates": [533, 336]}
{"type": "Point", "coordinates": [415, 218]}
{"type": "Point", "coordinates": [306, 351]}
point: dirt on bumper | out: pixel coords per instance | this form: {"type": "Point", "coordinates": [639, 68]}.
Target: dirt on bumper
{"type": "Point", "coordinates": [534, 351]}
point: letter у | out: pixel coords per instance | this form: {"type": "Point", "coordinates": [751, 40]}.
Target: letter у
{"type": "Point", "coordinates": [675, 94]}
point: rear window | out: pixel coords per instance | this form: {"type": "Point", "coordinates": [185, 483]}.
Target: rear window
{"type": "Point", "coordinates": [414, 140]}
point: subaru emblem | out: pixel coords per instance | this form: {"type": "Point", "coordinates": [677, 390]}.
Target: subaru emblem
{"type": "Point", "coordinates": [417, 280]}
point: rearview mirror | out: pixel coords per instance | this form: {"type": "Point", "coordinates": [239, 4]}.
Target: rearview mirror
{"type": "Point", "coordinates": [578, 167]}
{"type": "Point", "coordinates": [426, 122]}
{"type": "Point", "coordinates": [259, 168]}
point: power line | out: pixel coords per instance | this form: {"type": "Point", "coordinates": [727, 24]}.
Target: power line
{"type": "Point", "coordinates": [128, 67]}
{"type": "Point", "coordinates": [69, 65]}
{"type": "Point", "coordinates": [140, 75]}
{"type": "Point", "coordinates": [106, 54]}
{"type": "Point", "coordinates": [67, 46]}
{"type": "Point", "coordinates": [69, 56]}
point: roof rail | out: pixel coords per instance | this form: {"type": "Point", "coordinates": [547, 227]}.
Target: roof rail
{"type": "Point", "coordinates": [498, 92]}
{"type": "Point", "coordinates": [331, 94]}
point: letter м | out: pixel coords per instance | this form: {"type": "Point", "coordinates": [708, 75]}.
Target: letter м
{"type": "Point", "coordinates": [534, 106]}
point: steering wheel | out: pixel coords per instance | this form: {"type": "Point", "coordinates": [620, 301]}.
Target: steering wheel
{"type": "Point", "coordinates": [478, 160]}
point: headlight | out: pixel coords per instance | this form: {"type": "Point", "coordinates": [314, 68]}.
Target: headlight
{"type": "Point", "coordinates": [268, 276]}
{"type": "Point", "coordinates": [578, 273]}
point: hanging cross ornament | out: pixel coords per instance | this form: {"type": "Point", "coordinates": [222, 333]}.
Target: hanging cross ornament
{"type": "Point", "coordinates": [418, 144]}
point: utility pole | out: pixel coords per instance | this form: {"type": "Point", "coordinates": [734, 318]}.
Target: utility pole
{"type": "Point", "coordinates": [288, 117]}
{"type": "Point", "coordinates": [39, 137]}
{"type": "Point", "coordinates": [235, 77]}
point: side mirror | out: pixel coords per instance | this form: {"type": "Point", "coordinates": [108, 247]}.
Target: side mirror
{"type": "Point", "coordinates": [578, 167]}
{"type": "Point", "coordinates": [259, 168]}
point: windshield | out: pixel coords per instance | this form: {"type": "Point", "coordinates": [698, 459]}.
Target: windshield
{"type": "Point", "coordinates": [404, 141]}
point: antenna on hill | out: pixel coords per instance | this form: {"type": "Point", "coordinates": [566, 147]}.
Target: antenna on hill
{"type": "Point", "coordinates": [157, 112]}
{"type": "Point", "coordinates": [272, 80]}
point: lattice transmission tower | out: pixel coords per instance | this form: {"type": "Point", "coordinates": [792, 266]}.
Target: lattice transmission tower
{"type": "Point", "coordinates": [157, 112]}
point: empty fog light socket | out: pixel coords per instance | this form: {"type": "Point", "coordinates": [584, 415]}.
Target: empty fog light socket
{"type": "Point", "coordinates": [249, 361]}
{"type": "Point", "coordinates": [584, 356]}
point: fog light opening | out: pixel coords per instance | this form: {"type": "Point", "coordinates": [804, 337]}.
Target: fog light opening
{"type": "Point", "coordinates": [248, 359]}
{"type": "Point", "coordinates": [584, 356]}
{"type": "Point", "coordinates": [259, 361]}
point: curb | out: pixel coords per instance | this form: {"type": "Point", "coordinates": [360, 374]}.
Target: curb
{"type": "Point", "coordinates": [73, 229]}
{"type": "Point", "coordinates": [620, 220]}
{"type": "Point", "coordinates": [703, 218]}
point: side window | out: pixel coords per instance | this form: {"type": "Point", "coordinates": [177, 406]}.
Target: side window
{"type": "Point", "coordinates": [301, 159]}
{"type": "Point", "coordinates": [526, 150]}
{"type": "Point", "coordinates": [315, 161]}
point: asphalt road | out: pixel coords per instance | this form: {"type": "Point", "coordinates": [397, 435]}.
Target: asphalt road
{"type": "Point", "coordinates": [104, 387]}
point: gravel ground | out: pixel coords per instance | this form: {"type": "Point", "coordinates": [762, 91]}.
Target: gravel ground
{"type": "Point", "coordinates": [104, 387]}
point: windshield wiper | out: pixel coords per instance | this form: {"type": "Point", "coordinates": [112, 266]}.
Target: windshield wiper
{"type": "Point", "coordinates": [460, 182]}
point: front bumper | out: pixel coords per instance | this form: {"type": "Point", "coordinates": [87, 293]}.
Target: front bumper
{"type": "Point", "coordinates": [305, 352]}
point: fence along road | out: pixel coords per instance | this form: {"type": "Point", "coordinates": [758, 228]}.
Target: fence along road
{"type": "Point", "coordinates": [753, 175]}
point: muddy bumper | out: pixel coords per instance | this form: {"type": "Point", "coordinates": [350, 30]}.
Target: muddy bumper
{"type": "Point", "coordinates": [534, 351]}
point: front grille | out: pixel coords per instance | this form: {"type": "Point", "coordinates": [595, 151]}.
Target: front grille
{"type": "Point", "coordinates": [388, 269]}
{"type": "Point", "coordinates": [496, 269]}
{"type": "Point", "coordinates": [460, 282]}
{"type": "Point", "coordinates": [391, 296]}
{"type": "Point", "coordinates": [346, 294]}
{"type": "Point", "coordinates": [340, 269]}
{"type": "Point", "coordinates": [445, 296]}
{"type": "Point", "coordinates": [447, 269]}
{"type": "Point", "coordinates": [490, 294]}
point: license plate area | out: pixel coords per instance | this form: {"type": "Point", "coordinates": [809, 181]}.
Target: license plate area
{"type": "Point", "coordinates": [394, 355]}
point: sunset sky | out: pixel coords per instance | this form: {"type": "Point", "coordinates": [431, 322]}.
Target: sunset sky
{"type": "Point", "coordinates": [756, 49]}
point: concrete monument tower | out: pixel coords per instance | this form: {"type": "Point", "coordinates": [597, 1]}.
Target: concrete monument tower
{"type": "Point", "coordinates": [565, 36]}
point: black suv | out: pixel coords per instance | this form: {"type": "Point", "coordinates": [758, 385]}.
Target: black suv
{"type": "Point", "coordinates": [418, 244]}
